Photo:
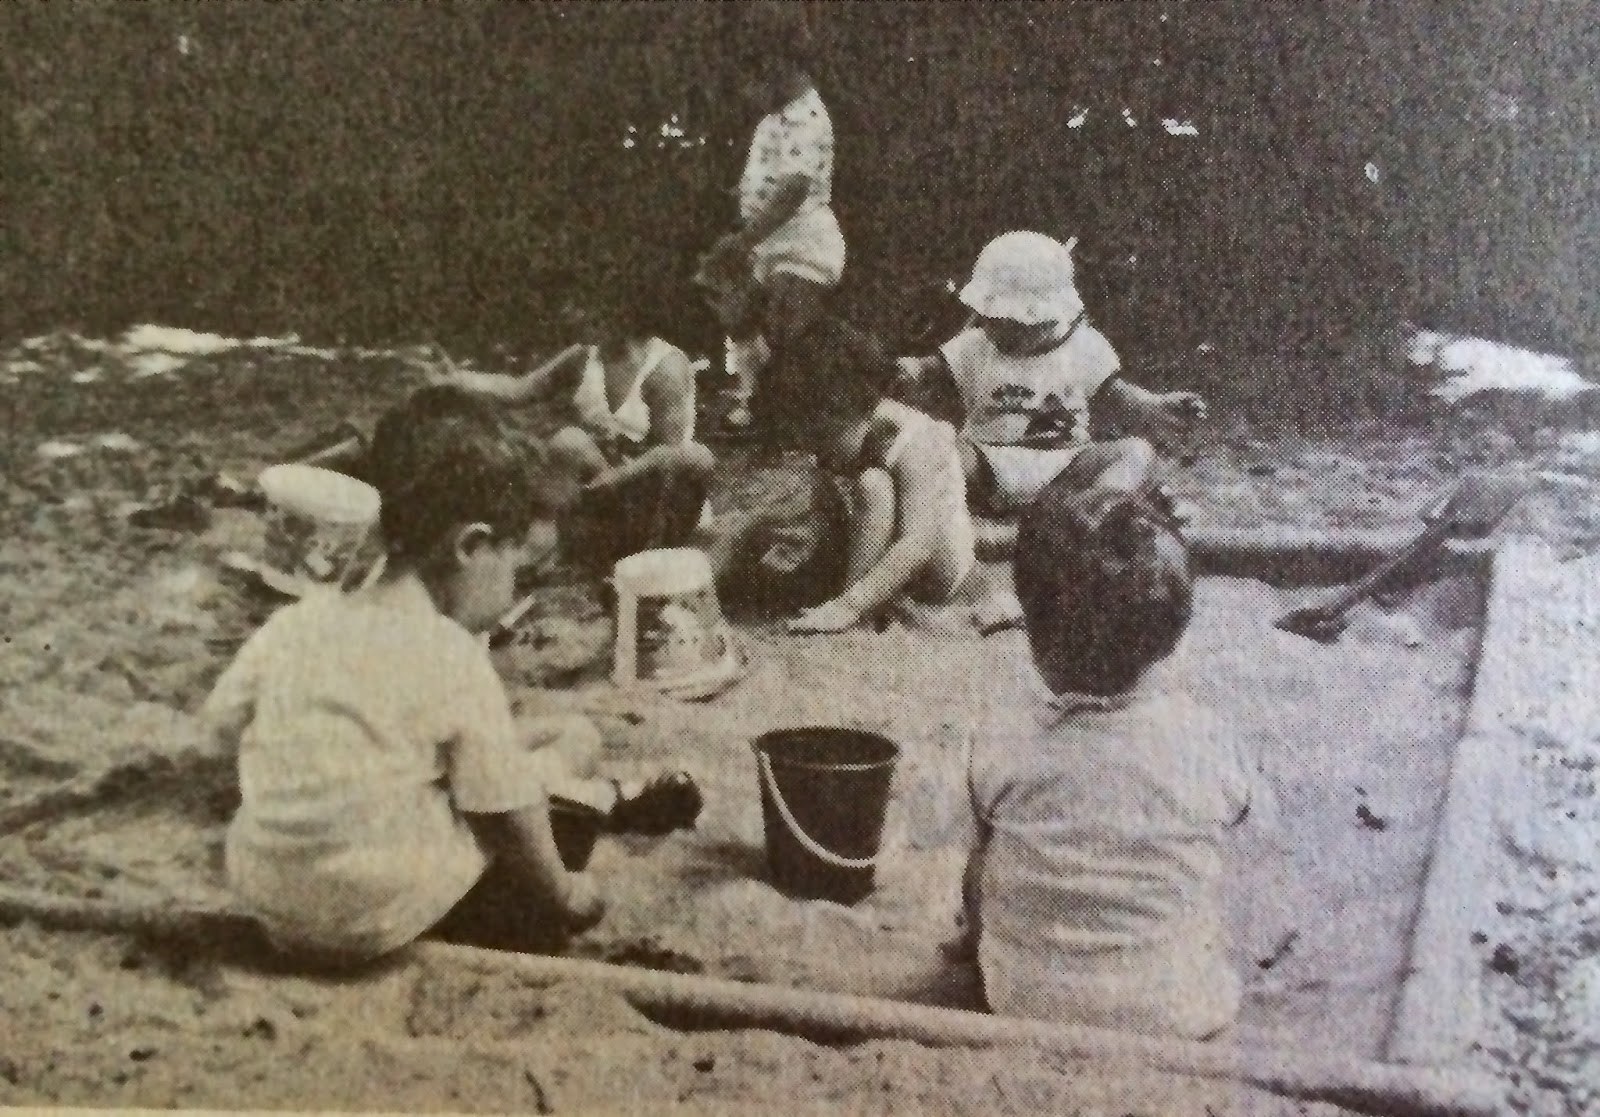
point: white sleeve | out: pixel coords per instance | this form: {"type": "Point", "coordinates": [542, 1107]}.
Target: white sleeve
{"type": "Point", "coordinates": [231, 705]}
{"type": "Point", "coordinates": [486, 764]}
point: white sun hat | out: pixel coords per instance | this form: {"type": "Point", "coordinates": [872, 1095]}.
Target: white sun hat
{"type": "Point", "coordinates": [1024, 277]}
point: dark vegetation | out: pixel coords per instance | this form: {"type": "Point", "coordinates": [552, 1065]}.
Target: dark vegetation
{"type": "Point", "coordinates": [406, 171]}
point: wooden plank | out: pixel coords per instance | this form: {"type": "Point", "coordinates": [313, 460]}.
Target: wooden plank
{"type": "Point", "coordinates": [1525, 649]}
{"type": "Point", "coordinates": [686, 1000]}
{"type": "Point", "coordinates": [1283, 556]}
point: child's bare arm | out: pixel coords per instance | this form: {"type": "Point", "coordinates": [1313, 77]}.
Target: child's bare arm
{"type": "Point", "coordinates": [1161, 414]}
{"type": "Point", "coordinates": [669, 394]}
{"type": "Point", "coordinates": [522, 840]}
{"type": "Point", "coordinates": [517, 389]}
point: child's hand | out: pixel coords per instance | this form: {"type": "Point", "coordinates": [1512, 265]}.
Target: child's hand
{"type": "Point", "coordinates": [583, 905]}
{"type": "Point", "coordinates": [1184, 408]}
{"type": "Point", "coordinates": [605, 479]}
{"type": "Point", "coordinates": [831, 616]}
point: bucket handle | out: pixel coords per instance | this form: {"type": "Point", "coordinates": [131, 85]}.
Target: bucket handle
{"type": "Point", "coordinates": [826, 856]}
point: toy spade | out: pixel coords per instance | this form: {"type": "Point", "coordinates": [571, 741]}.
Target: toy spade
{"type": "Point", "coordinates": [1470, 510]}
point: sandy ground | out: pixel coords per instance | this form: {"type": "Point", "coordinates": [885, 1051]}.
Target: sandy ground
{"type": "Point", "coordinates": [114, 631]}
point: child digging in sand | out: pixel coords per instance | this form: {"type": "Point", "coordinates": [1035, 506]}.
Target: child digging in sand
{"type": "Point", "coordinates": [1102, 794]}
{"type": "Point", "coordinates": [386, 788]}
{"type": "Point", "coordinates": [909, 535]}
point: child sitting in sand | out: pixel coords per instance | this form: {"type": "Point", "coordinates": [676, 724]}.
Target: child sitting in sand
{"type": "Point", "coordinates": [644, 476]}
{"type": "Point", "coordinates": [386, 788]}
{"type": "Point", "coordinates": [909, 534]}
{"type": "Point", "coordinates": [1026, 372]}
{"type": "Point", "coordinates": [788, 241]}
{"type": "Point", "coordinates": [1101, 795]}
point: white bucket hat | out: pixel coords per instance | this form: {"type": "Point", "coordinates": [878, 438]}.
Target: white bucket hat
{"type": "Point", "coordinates": [1025, 277]}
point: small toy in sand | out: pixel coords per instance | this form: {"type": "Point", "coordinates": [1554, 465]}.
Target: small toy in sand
{"type": "Point", "coordinates": [671, 634]}
{"type": "Point", "coordinates": [318, 524]}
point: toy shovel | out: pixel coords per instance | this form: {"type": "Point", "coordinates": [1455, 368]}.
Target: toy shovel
{"type": "Point", "coordinates": [1470, 510]}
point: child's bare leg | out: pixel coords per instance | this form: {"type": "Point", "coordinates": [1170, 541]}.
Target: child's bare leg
{"type": "Point", "coordinates": [1124, 466]}
{"type": "Point", "coordinates": [950, 568]}
{"type": "Point", "coordinates": [872, 522]}
{"type": "Point", "coordinates": [567, 745]}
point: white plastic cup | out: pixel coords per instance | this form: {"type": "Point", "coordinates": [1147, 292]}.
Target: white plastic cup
{"type": "Point", "coordinates": [318, 523]}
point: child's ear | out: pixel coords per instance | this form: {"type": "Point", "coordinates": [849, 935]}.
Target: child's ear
{"type": "Point", "coordinates": [470, 540]}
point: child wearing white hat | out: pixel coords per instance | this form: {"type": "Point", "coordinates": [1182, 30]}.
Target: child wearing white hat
{"type": "Point", "coordinates": [1026, 371]}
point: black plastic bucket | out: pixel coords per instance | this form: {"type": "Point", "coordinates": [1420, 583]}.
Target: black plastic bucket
{"type": "Point", "coordinates": [824, 794]}
{"type": "Point", "coordinates": [576, 827]}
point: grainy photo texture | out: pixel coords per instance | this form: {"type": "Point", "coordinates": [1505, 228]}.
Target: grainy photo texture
{"type": "Point", "coordinates": [784, 556]}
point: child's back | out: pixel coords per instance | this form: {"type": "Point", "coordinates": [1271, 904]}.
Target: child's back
{"type": "Point", "coordinates": [372, 722]}
{"type": "Point", "coordinates": [1101, 874]}
{"type": "Point", "coordinates": [1101, 797]}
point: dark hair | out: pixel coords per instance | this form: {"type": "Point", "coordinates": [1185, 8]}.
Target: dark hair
{"type": "Point", "coordinates": [443, 458]}
{"type": "Point", "coordinates": [844, 373]}
{"type": "Point", "coordinates": [630, 295]}
{"type": "Point", "coordinates": [773, 33]}
{"type": "Point", "coordinates": [1100, 604]}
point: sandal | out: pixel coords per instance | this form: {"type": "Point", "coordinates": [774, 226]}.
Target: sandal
{"type": "Point", "coordinates": [666, 803]}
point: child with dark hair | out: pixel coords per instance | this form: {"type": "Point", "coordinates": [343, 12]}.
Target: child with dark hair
{"type": "Point", "coordinates": [788, 241]}
{"type": "Point", "coordinates": [1093, 893]}
{"type": "Point", "coordinates": [644, 476]}
{"type": "Point", "coordinates": [386, 788]}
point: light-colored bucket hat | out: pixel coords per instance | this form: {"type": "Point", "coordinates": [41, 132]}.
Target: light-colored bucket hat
{"type": "Point", "coordinates": [1024, 277]}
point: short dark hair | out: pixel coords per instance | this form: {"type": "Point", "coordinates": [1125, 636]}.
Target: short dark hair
{"type": "Point", "coordinates": [773, 33]}
{"type": "Point", "coordinates": [443, 458]}
{"type": "Point", "coordinates": [841, 374]}
{"type": "Point", "coordinates": [1100, 604]}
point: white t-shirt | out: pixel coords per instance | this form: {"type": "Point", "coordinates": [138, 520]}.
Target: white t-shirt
{"type": "Point", "coordinates": [1100, 882]}
{"type": "Point", "coordinates": [364, 730]}
{"type": "Point", "coordinates": [795, 140]}
{"type": "Point", "coordinates": [1042, 399]}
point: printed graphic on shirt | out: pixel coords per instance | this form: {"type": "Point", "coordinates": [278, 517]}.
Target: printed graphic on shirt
{"type": "Point", "coordinates": [798, 140]}
{"type": "Point", "coordinates": [1033, 418]}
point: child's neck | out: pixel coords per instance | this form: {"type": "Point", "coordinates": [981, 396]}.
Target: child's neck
{"type": "Point", "coordinates": [408, 587]}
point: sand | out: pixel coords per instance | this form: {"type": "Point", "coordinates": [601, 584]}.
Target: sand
{"type": "Point", "coordinates": [113, 632]}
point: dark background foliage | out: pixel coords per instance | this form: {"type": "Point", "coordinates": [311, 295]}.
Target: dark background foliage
{"type": "Point", "coordinates": [367, 170]}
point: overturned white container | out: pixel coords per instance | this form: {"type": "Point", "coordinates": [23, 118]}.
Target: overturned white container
{"type": "Point", "coordinates": [671, 634]}
{"type": "Point", "coordinates": [319, 525]}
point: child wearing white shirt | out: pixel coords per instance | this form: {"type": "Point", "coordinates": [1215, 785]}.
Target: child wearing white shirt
{"type": "Point", "coordinates": [1026, 371]}
{"type": "Point", "coordinates": [384, 782]}
{"type": "Point", "coordinates": [788, 242]}
{"type": "Point", "coordinates": [1094, 890]}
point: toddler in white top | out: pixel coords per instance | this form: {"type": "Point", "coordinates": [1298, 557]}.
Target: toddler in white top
{"type": "Point", "coordinates": [385, 785]}
{"type": "Point", "coordinates": [788, 243]}
{"type": "Point", "coordinates": [1026, 372]}
{"type": "Point", "coordinates": [1102, 795]}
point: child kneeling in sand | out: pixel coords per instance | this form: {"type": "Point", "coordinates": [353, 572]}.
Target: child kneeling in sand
{"type": "Point", "coordinates": [1093, 892]}
{"type": "Point", "coordinates": [909, 532]}
{"type": "Point", "coordinates": [386, 788]}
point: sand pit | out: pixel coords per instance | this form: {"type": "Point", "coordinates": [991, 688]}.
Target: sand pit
{"type": "Point", "coordinates": [1354, 739]}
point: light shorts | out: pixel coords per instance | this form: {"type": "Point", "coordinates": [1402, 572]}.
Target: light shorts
{"type": "Point", "coordinates": [1018, 473]}
{"type": "Point", "coordinates": [809, 245]}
